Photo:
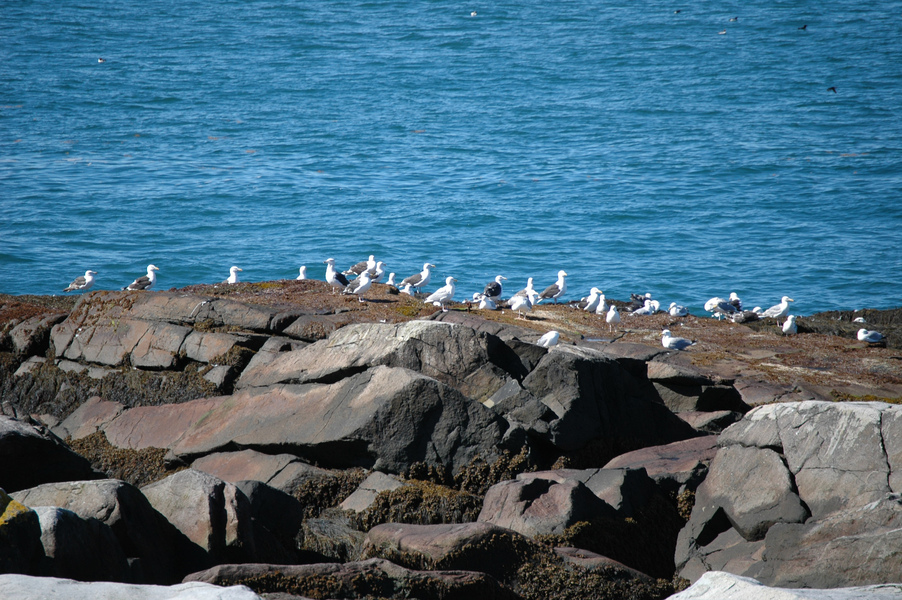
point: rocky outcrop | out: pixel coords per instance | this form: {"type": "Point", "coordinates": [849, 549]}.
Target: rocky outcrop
{"type": "Point", "coordinates": [20, 537]}
{"type": "Point", "coordinates": [52, 588]}
{"type": "Point", "coordinates": [717, 585]}
{"type": "Point", "coordinates": [675, 467]}
{"type": "Point", "coordinates": [797, 493]}
{"type": "Point", "coordinates": [77, 548]}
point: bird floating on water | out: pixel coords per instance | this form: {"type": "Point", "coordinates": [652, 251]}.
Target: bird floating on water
{"type": "Point", "coordinates": [674, 343]}
{"type": "Point", "coordinates": [302, 273]}
{"type": "Point", "coordinates": [778, 311]}
{"type": "Point", "coordinates": [85, 282]}
{"type": "Point", "coordinates": [549, 339]}
{"type": "Point", "coordinates": [101, 60]}
{"type": "Point", "coordinates": [145, 282]}
{"type": "Point", "coordinates": [443, 295]}
{"type": "Point", "coordinates": [233, 275]}
{"type": "Point", "coordinates": [871, 337]}
{"type": "Point", "coordinates": [421, 279]}
{"type": "Point", "coordinates": [333, 277]}
{"type": "Point", "coordinates": [359, 286]}
{"type": "Point", "coordinates": [790, 327]}
{"type": "Point", "coordinates": [557, 289]}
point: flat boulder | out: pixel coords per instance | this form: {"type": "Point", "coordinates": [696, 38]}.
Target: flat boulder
{"type": "Point", "coordinates": [78, 548]}
{"type": "Point", "coordinates": [53, 588]}
{"type": "Point", "coordinates": [675, 467]}
{"type": "Point", "coordinates": [717, 585]}
{"type": "Point", "coordinates": [32, 456]}
{"type": "Point", "coordinates": [285, 472]}
{"type": "Point", "coordinates": [365, 494]}
{"type": "Point", "coordinates": [88, 418]}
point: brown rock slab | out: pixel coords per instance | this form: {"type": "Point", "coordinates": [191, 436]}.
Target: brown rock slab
{"type": "Point", "coordinates": [88, 418]}
{"type": "Point", "coordinates": [32, 456]}
{"type": "Point", "coordinates": [281, 471]}
{"type": "Point", "coordinates": [677, 466]}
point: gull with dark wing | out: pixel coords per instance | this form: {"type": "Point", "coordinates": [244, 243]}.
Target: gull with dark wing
{"type": "Point", "coordinates": [359, 286]}
{"type": "Point", "coordinates": [144, 282]}
{"type": "Point", "coordinates": [674, 343]}
{"type": "Point", "coordinates": [364, 265]}
{"type": "Point", "coordinates": [333, 277]}
{"type": "Point", "coordinates": [82, 283]}
{"type": "Point", "coordinates": [493, 289]}
{"type": "Point", "coordinates": [421, 279]}
{"type": "Point", "coordinates": [557, 289]}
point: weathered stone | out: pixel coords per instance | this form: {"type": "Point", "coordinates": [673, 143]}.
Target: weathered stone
{"type": "Point", "coordinates": [757, 428]}
{"type": "Point", "coordinates": [158, 552]}
{"type": "Point", "coordinates": [282, 471]}
{"type": "Point", "coordinates": [212, 513]}
{"type": "Point", "coordinates": [93, 372]}
{"type": "Point", "coordinates": [710, 422]}
{"type": "Point", "coordinates": [680, 397]}
{"type": "Point", "coordinates": [465, 546]}
{"type": "Point", "coordinates": [273, 346]}
{"type": "Point", "coordinates": [457, 356]}
{"type": "Point", "coordinates": [675, 467]}
{"type": "Point", "coordinates": [664, 371]}
{"type": "Point", "coordinates": [279, 515]}
{"type": "Point", "coordinates": [591, 561]}
{"type": "Point", "coordinates": [624, 490]}
{"type": "Point", "coordinates": [20, 537]}
{"type": "Point", "coordinates": [77, 548]}
{"type": "Point", "coordinates": [159, 347]}
{"type": "Point", "coordinates": [32, 456]}
{"type": "Point", "coordinates": [88, 418]}
{"type": "Point", "coordinates": [384, 418]}
{"type": "Point", "coordinates": [32, 336]}
{"type": "Point", "coordinates": [366, 493]}
{"type": "Point", "coordinates": [891, 430]}
{"type": "Point", "coordinates": [204, 347]}
{"type": "Point", "coordinates": [329, 540]}
{"type": "Point", "coordinates": [357, 579]}
{"type": "Point", "coordinates": [30, 365]}
{"type": "Point", "coordinates": [312, 328]}
{"type": "Point", "coordinates": [725, 586]}
{"type": "Point", "coordinates": [52, 588]}
{"type": "Point", "coordinates": [156, 426]}
{"type": "Point", "coordinates": [541, 506]}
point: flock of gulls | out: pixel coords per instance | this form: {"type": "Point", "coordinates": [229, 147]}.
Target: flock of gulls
{"type": "Point", "coordinates": [359, 278]}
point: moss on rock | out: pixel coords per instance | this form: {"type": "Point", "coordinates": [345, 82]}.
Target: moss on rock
{"type": "Point", "coordinates": [420, 503]}
{"type": "Point", "coordinates": [137, 467]}
{"type": "Point", "coordinates": [320, 493]}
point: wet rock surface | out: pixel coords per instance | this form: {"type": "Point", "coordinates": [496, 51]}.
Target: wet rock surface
{"type": "Point", "coordinates": [579, 464]}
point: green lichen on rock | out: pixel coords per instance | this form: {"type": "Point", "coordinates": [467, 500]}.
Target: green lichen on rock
{"type": "Point", "coordinates": [420, 503]}
{"type": "Point", "coordinates": [137, 467]}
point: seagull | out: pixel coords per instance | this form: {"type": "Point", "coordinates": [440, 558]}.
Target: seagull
{"type": "Point", "coordinates": [674, 343]}
{"type": "Point", "coordinates": [720, 307]}
{"type": "Point", "coordinates": [391, 280]}
{"type": "Point", "coordinates": [790, 327]}
{"type": "Point", "coordinates": [638, 301]}
{"type": "Point", "coordinates": [859, 320]}
{"type": "Point", "coordinates": [82, 283]}
{"type": "Point", "coordinates": [233, 275]}
{"type": "Point", "coordinates": [779, 310]}
{"type": "Point", "coordinates": [735, 301]}
{"type": "Point", "coordinates": [101, 60]}
{"type": "Point", "coordinates": [529, 292]}
{"type": "Point", "coordinates": [613, 317]}
{"type": "Point", "coordinates": [407, 289]}
{"type": "Point", "coordinates": [520, 303]}
{"type": "Point", "coordinates": [549, 339]}
{"type": "Point", "coordinates": [832, 89]}
{"type": "Point", "coordinates": [732, 19]}
{"type": "Point", "coordinates": [677, 310]}
{"type": "Point", "coordinates": [594, 297]}
{"type": "Point", "coordinates": [603, 307]}
{"type": "Point", "coordinates": [557, 289]}
{"type": "Point", "coordinates": [485, 303]}
{"type": "Point", "coordinates": [333, 277]}
{"type": "Point", "coordinates": [442, 295]}
{"type": "Point", "coordinates": [302, 273]}
{"type": "Point", "coordinates": [359, 286]}
{"type": "Point", "coordinates": [377, 272]}
{"type": "Point", "coordinates": [804, 27]}
{"type": "Point", "coordinates": [493, 289]}
{"type": "Point", "coordinates": [421, 279]}
{"type": "Point", "coordinates": [145, 282]}
{"type": "Point", "coordinates": [365, 265]}
{"type": "Point", "coordinates": [648, 309]}
{"type": "Point", "coordinates": [871, 337]}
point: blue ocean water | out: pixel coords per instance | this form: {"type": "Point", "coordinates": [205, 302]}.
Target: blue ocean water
{"type": "Point", "coordinates": [642, 146]}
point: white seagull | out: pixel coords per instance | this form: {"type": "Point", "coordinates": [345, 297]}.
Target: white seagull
{"type": "Point", "coordinates": [233, 275]}
{"type": "Point", "coordinates": [144, 282]}
{"type": "Point", "coordinates": [871, 337]}
{"type": "Point", "coordinates": [674, 343]}
{"type": "Point", "coordinates": [603, 307]}
{"type": "Point", "coordinates": [82, 283]}
{"type": "Point", "coordinates": [377, 272]}
{"type": "Point", "coordinates": [790, 327]}
{"type": "Point", "coordinates": [302, 273]}
{"type": "Point", "coordinates": [779, 310]}
{"type": "Point", "coordinates": [333, 277]}
{"type": "Point", "coordinates": [613, 317]}
{"type": "Point", "coordinates": [407, 289]}
{"type": "Point", "coordinates": [521, 303]}
{"type": "Point", "coordinates": [420, 279]}
{"type": "Point", "coordinates": [720, 307]}
{"type": "Point", "coordinates": [648, 309]}
{"type": "Point", "coordinates": [365, 265]}
{"type": "Point", "coordinates": [557, 289]}
{"type": "Point", "coordinates": [391, 280]}
{"type": "Point", "coordinates": [359, 286]}
{"type": "Point", "coordinates": [485, 303]}
{"type": "Point", "coordinates": [677, 310]}
{"type": "Point", "coordinates": [493, 289]}
{"type": "Point", "coordinates": [594, 297]}
{"type": "Point", "coordinates": [549, 339]}
{"type": "Point", "coordinates": [529, 292]}
{"type": "Point", "coordinates": [442, 295]}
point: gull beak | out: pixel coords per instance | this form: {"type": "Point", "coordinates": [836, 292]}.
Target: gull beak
{"type": "Point", "coordinates": [791, 300]}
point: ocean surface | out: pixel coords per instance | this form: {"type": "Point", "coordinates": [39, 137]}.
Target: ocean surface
{"type": "Point", "coordinates": [641, 146]}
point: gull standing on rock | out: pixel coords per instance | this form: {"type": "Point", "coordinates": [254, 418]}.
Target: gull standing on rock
{"type": "Point", "coordinates": [520, 303]}
{"type": "Point", "coordinates": [377, 272]}
{"type": "Point", "coordinates": [82, 283]}
{"type": "Point", "coordinates": [735, 301]}
{"type": "Point", "coordinates": [364, 265]}
{"type": "Point", "coordinates": [442, 295]}
{"type": "Point", "coordinates": [333, 277]}
{"type": "Point", "coordinates": [602, 308]}
{"type": "Point", "coordinates": [676, 310]}
{"type": "Point", "coordinates": [790, 327]}
{"type": "Point", "coordinates": [391, 280]}
{"type": "Point", "coordinates": [302, 273]}
{"type": "Point", "coordinates": [421, 279]}
{"type": "Point", "coordinates": [720, 307]}
{"type": "Point", "coordinates": [613, 317]}
{"type": "Point", "coordinates": [871, 337]}
{"type": "Point", "coordinates": [530, 292]}
{"type": "Point", "coordinates": [674, 343]}
{"type": "Point", "coordinates": [779, 311]}
{"type": "Point", "coordinates": [648, 309]}
{"type": "Point", "coordinates": [549, 339]}
{"type": "Point", "coordinates": [485, 303]}
{"type": "Point", "coordinates": [144, 282]}
{"type": "Point", "coordinates": [233, 275]}
{"type": "Point", "coordinates": [493, 289]}
{"type": "Point", "coordinates": [594, 297]}
{"type": "Point", "coordinates": [557, 289]}
{"type": "Point", "coordinates": [359, 286]}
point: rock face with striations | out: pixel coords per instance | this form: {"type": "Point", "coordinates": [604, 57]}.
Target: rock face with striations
{"type": "Point", "coordinates": [798, 493]}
